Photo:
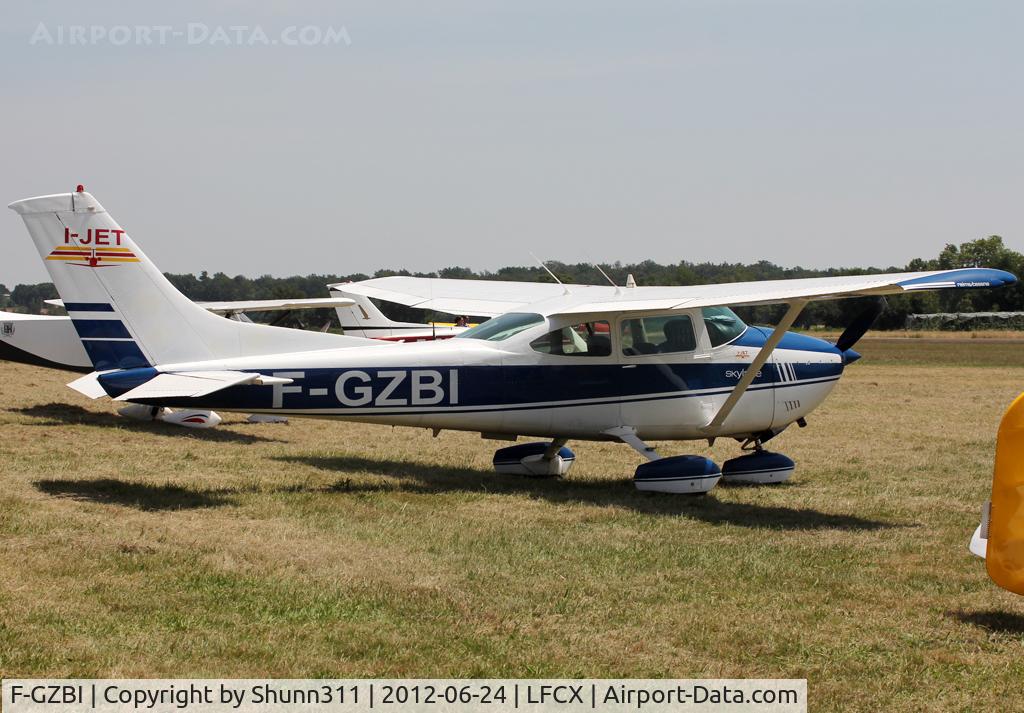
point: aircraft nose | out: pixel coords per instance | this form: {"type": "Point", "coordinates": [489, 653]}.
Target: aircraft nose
{"type": "Point", "coordinates": [850, 356]}
{"type": "Point", "coordinates": [807, 343]}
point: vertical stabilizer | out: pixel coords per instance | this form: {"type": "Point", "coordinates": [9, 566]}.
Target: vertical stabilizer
{"type": "Point", "coordinates": [125, 311]}
{"type": "Point", "coordinates": [364, 319]}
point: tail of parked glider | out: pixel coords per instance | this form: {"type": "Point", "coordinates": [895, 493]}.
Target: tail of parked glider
{"type": "Point", "coordinates": [125, 311]}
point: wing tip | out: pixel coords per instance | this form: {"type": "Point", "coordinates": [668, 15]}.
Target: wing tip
{"type": "Point", "coordinates": [963, 278]}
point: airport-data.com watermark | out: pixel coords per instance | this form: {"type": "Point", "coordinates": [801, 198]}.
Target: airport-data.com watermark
{"type": "Point", "coordinates": [191, 34]}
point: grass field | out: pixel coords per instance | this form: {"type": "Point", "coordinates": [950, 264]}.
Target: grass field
{"type": "Point", "coordinates": [329, 549]}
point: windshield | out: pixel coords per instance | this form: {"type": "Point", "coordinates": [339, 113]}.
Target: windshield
{"type": "Point", "coordinates": [723, 325]}
{"type": "Point", "coordinates": [503, 327]}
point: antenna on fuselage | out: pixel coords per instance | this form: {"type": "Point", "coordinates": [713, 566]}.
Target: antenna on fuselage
{"type": "Point", "coordinates": [565, 290]}
{"type": "Point", "coordinates": [610, 280]}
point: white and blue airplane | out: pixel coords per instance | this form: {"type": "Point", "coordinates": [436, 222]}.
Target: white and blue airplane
{"type": "Point", "coordinates": [631, 364]}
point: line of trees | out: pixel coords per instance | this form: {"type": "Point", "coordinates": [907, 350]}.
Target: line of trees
{"type": "Point", "coordinates": [984, 252]}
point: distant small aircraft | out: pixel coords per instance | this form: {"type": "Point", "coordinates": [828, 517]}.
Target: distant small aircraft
{"type": "Point", "coordinates": [561, 362]}
{"type": "Point", "coordinates": [362, 318]}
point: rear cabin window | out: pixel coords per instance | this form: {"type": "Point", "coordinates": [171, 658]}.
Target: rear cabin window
{"type": "Point", "coordinates": [658, 335]}
{"type": "Point", "coordinates": [587, 339]}
{"type": "Point", "coordinates": [723, 325]}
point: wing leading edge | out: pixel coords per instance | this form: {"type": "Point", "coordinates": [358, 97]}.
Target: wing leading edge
{"type": "Point", "coordinates": [490, 298]}
{"type": "Point", "coordinates": [788, 291]}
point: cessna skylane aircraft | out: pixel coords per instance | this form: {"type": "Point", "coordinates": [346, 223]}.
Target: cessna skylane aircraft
{"type": "Point", "coordinates": [560, 362]}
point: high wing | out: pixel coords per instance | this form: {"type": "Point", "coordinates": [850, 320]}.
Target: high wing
{"type": "Point", "coordinates": [785, 291]}
{"type": "Point", "coordinates": [490, 298]}
{"type": "Point", "coordinates": [484, 298]}
{"type": "Point", "coordinates": [260, 305]}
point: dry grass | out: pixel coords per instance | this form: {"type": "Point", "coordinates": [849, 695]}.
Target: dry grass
{"type": "Point", "coordinates": [331, 549]}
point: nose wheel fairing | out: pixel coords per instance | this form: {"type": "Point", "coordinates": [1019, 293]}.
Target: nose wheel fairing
{"type": "Point", "coordinates": [759, 467]}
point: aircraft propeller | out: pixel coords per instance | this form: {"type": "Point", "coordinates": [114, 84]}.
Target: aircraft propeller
{"type": "Point", "coordinates": [856, 329]}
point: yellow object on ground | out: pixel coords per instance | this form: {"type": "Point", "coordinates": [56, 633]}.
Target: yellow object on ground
{"type": "Point", "coordinates": [1005, 556]}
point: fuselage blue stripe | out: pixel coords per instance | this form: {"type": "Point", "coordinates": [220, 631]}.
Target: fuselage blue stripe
{"type": "Point", "coordinates": [213, 402]}
{"type": "Point", "coordinates": [468, 388]}
{"type": "Point", "coordinates": [114, 354]}
{"type": "Point", "coordinates": [88, 307]}
{"type": "Point", "coordinates": [548, 405]}
{"type": "Point", "coordinates": [101, 329]}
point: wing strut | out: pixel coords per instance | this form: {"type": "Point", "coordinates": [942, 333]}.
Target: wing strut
{"type": "Point", "coordinates": [795, 307]}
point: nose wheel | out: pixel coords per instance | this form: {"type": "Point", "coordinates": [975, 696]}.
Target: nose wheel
{"type": "Point", "coordinates": [758, 467]}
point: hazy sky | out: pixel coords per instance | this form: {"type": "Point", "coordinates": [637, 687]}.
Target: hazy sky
{"type": "Point", "coordinates": [808, 132]}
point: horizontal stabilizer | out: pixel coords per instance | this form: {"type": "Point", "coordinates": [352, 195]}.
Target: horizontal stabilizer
{"type": "Point", "coordinates": [192, 384]}
{"type": "Point", "coordinates": [88, 385]}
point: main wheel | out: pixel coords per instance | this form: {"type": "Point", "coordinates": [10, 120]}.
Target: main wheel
{"type": "Point", "coordinates": [692, 475]}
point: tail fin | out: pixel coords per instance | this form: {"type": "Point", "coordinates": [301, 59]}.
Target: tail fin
{"type": "Point", "coordinates": [126, 312]}
{"type": "Point", "coordinates": [364, 318]}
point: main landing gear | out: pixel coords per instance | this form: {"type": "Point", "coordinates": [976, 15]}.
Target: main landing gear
{"type": "Point", "coordinates": [686, 474]}
{"type": "Point", "coordinates": [535, 460]}
{"type": "Point", "coordinates": [696, 475]}
{"type": "Point", "coordinates": [690, 475]}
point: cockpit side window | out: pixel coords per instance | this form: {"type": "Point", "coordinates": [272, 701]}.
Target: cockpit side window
{"type": "Point", "coordinates": [587, 339]}
{"type": "Point", "coordinates": [722, 324]}
{"type": "Point", "coordinates": [667, 334]}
